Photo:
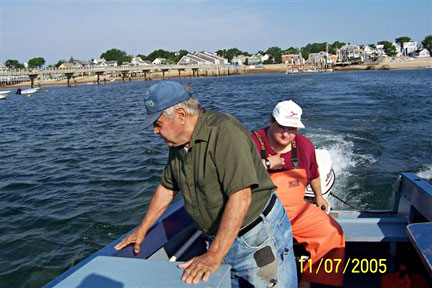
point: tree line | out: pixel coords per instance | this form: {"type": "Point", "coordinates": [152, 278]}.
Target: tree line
{"type": "Point", "coordinates": [276, 53]}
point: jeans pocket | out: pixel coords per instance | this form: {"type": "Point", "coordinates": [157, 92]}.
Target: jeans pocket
{"type": "Point", "coordinates": [257, 237]}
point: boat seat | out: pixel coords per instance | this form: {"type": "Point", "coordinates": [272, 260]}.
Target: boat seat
{"type": "Point", "coordinates": [386, 229]}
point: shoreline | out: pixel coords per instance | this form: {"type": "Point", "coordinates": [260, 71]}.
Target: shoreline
{"type": "Point", "coordinates": [399, 64]}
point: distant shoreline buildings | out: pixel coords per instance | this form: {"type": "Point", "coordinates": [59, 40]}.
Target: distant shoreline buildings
{"type": "Point", "coordinates": [348, 54]}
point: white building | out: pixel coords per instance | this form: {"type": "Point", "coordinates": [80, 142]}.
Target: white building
{"type": "Point", "coordinates": [350, 52]}
{"type": "Point", "coordinates": [99, 62]}
{"type": "Point", "coordinates": [202, 58]}
{"type": "Point", "coordinates": [211, 57]}
{"type": "Point", "coordinates": [137, 61]}
{"type": "Point", "coordinates": [423, 53]}
{"type": "Point", "coordinates": [239, 60]}
{"type": "Point", "coordinates": [191, 59]}
{"type": "Point", "coordinates": [3, 67]}
{"type": "Point", "coordinates": [266, 57]}
{"type": "Point", "coordinates": [409, 48]}
{"type": "Point", "coordinates": [159, 61]}
{"type": "Point", "coordinates": [398, 49]}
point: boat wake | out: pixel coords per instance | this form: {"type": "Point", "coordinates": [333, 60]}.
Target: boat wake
{"type": "Point", "coordinates": [426, 172]}
{"type": "Point", "coordinates": [346, 162]}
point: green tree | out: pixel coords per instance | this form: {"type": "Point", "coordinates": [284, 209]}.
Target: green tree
{"type": "Point", "coordinates": [372, 45]}
{"type": "Point", "coordinates": [160, 53]}
{"type": "Point", "coordinates": [291, 50]}
{"type": "Point", "coordinates": [318, 47]}
{"type": "Point", "coordinates": [335, 46]}
{"type": "Point", "coordinates": [389, 49]}
{"type": "Point", "coordinates": [124, 58]}
{"type": "Point", "coordinates": [232, 52]}
{"type": "Point", "coordinates": [402, 39]}
{"type": "Point", "coordinates": [180, 54]}
{"type": "Point", "coordinates": [36, 62]}
{"type": "Point", "coordinates": [13, 64]}
{"type": "Point", "coordinates": [221, 52]}
{"type": "Point", "coordinates": [276, 53]}
{"type": "Point", "coordinates": [427, 43]}
{"type": "Point", "coordinates": [113, 54]}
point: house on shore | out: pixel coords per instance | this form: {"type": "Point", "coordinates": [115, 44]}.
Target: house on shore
{"type": "Point", "coordinates": [255, 59]}
{"type": "Point", "coordinates": [409, 48]}
{"type": "Point", "coordinates": [267, 57]}
{"type": "Point", "coordinates": [191, 59]}
{"type": "Point", "coordinates": [159, 61]}
{"type": "Point", "coordinates": [423, 53]}
{"type": "Point", "coordinates": [293, 59]}
{"type": "Point", "coordinates": [239, 60]}
{"type": "Point", "coordinates": [100, 62]}
{"type": "Point", "coordinates": [372, 54]}
{"type": "Point", "coordinates": [137, 61]}
{"type": "Point", "coordinates": [350, 53]}
{"type": "Point", "coordinates": [202, 58]}
{"type": "Point", "coordinates": [211, 57]}
{"type": "Point", "coordinates": [318, 59]}
{"type": "Point", "coordinates": [3, 67]}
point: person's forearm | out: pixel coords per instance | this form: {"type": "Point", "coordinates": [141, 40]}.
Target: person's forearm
{"type": "Point", "coordinates": [232, 219]}
{"type": "Point", "coordinates": [159, 203]}
{"type": "Point", "coordinates": [316, 187]}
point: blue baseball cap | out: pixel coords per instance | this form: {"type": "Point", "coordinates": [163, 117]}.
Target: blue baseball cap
{"type": "Point", "coordinates": [160, 96]}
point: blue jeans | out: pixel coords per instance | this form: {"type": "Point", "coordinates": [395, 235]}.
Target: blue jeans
{"type": "Point", "coordinates": [264, 256]}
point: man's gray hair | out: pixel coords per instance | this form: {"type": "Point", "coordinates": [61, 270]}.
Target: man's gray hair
{"type": "Point", "coordinates": [191, 106]}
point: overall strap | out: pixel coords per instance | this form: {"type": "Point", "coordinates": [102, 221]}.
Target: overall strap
{"type": "Point", "coordinates": [294, 158]}
{"type": "Point", "coordinates": [261, 141]}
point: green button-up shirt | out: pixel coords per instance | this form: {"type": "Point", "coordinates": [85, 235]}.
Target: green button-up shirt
{"type": "Point", "coordinates": [221, 160]}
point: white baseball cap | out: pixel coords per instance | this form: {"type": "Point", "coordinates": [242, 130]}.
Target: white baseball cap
{"type": "Point", "coordinates": [288, 114]}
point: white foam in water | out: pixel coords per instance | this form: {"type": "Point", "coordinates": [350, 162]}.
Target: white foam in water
{"type": "Point", "coordinates": [343, 160]}
{"type": "Point", "coordinates": [425, 172]}
{"type": "Point", "coordinates": [340, 150]}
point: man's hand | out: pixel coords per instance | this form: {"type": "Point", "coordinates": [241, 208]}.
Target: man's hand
{"type": "Point", "coordinates": [136, 237]}
{"type": "Point", "coordinates": [320, 201]}
{"type": "Point", "coordinates": [199, 268]}
{"type": "Point", "coordinates": [277, 162]}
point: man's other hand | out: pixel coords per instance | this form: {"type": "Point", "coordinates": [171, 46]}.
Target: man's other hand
{"type": "Point", "coordinates": [200, 267]}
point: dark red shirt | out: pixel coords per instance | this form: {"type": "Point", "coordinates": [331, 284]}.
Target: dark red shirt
{"type": "Point", "coordinates": [305, 154]}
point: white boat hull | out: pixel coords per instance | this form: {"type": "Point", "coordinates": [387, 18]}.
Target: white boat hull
{"type": "Point", "coordinates": [29, 91]}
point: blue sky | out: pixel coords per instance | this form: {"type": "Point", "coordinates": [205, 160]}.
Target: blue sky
{"type": "Point", "coordinates": [85, 29]}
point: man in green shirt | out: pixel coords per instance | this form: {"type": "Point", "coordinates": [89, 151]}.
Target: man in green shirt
{"type": "Point", "coordinates": [213, 162]}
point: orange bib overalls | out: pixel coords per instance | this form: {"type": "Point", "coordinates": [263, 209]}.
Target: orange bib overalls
{"type": "Point", "coordinates": [321, 235]}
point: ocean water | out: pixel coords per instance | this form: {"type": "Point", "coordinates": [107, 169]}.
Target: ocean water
{"type": "Point", "coordinates": [77, 168]}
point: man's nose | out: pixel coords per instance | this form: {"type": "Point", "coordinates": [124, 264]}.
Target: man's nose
{"type": "Point", "coordinates": [155, 130]}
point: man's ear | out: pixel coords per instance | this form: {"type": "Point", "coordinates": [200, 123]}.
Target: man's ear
{"type": "Point", "coordinates": [181, 114]}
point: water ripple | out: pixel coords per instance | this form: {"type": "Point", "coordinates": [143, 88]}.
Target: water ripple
{"type": "Point", "coordinates": [77, 168]}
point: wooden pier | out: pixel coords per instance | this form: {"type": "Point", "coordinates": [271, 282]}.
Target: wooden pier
{"type": "Point", "coordinates": [124, 72]}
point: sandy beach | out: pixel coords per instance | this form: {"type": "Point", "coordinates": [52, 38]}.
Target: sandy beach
{"type": "Point", "coordinates": [397, 63]}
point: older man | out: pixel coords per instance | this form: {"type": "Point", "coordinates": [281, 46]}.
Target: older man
{"type": "Point", "coordinates": [214, 164]}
